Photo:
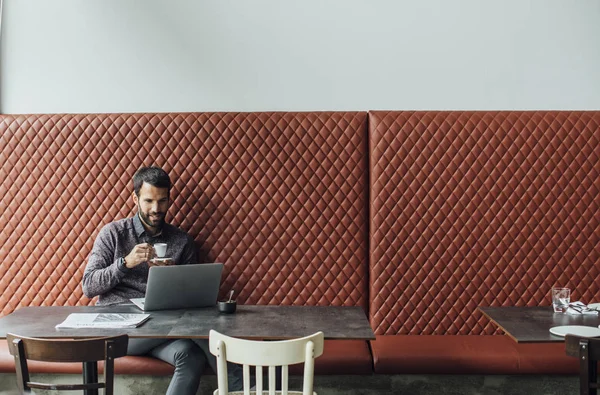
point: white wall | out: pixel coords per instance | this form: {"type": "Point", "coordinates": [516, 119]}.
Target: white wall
{"type": "Point", "coordinates": [249, 55]}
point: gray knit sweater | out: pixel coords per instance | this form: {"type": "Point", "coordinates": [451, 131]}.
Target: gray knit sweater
{"type": "Point", "coordinates": [106, 275]}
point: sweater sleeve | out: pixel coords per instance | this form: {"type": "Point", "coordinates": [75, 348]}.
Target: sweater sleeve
{"type": "Point", "coordinates": [103, 272]}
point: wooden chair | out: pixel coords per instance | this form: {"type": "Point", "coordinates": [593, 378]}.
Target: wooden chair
{"type": "Point", "coordinates": [86, 351]}
{"type": "Point", "coordinates": [588, 351]}
{"type": "Point", "coordinates": [266, 353]}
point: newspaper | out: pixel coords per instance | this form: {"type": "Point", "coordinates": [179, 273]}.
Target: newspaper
{"type": "Point", "coordinates": [103, 320]}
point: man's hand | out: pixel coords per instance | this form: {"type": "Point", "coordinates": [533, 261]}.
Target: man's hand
{"type": "Point", "coordinates": [140, 253]}
{"type": "Point", "coordinates": [161, 262]}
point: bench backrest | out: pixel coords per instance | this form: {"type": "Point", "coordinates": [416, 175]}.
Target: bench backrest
{"type": "Point", "coordinates": [465, 208]}
{"type": "Point", "coordinates": [480, 208]}
{"type": "Point", "coordinates": [280, 198]}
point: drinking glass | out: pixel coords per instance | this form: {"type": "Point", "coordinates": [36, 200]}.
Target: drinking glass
{"type": "Point", "coordinates": [561, 297]}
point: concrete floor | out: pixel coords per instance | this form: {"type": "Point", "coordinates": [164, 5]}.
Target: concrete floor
{"type": "Point", "coordinates": [351, 385]}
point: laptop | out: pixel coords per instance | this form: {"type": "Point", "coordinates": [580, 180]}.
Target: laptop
{"type": "Point", "coordinates": [181, 287]}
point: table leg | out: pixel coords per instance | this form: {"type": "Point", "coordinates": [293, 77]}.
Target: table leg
{"type": "Point", "coordinates": [90, 375]}
{"type": "Point", "coordinates": [593, 371]}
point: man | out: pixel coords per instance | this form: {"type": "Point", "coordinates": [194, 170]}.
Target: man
{"type": "Point", "coordinates": [117, 271]}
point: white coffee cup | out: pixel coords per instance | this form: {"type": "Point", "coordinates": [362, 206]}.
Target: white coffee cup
{"type": "Point", "coordinates": [160, 249]}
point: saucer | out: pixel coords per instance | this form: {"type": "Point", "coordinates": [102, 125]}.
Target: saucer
{"type": "Point", "coordinates": [162, 259]}
{"type": "Point", "coordinates": [578, 330]}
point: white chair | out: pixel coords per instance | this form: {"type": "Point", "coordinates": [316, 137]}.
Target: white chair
{"type": "Point", "coordinates": [266, 353]}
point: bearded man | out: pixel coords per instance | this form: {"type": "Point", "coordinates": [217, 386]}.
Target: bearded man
{"type": "Point", "coordinates": [117, 271]}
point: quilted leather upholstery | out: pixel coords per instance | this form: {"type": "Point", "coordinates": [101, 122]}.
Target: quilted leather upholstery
{"type": "Point", "coordinates": [479, 208]}
{"type": "Point", "coordinates": [447, 354]}
{"type": "Point", "coordinates": [280, 198]}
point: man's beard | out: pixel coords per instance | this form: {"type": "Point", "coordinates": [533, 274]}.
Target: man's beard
{"type": "Point", "coordinates": [146, 219]}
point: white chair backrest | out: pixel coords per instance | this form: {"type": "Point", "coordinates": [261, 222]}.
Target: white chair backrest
{"type": "Point", "coordinates": [266, 353]}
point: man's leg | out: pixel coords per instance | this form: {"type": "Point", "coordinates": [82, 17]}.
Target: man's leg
{"type": "Point", "coordinates": [187, 358]}
{"type": "Point", "coordinates": [143, 346]}
{"type": "Point", "coordinates": [235, 373]}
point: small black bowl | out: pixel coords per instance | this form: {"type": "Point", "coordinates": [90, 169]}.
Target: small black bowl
{"type": "Point", "coordinates": [227, 307]}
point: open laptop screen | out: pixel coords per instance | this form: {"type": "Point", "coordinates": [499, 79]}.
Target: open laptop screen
{"type": "Point", "coordinates": [182, 286]}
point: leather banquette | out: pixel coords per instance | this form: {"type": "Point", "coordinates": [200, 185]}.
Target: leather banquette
{"type": "Point", "coordinates": [280, 198]}
{"type": "Point", "coordinates": [418, 217]}
{"type": "Point", "coordinates": [478, 208]}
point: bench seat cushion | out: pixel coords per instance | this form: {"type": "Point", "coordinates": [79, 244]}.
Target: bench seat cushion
{"type": "Point", "coordinates": [443, 354]}
{"type": "Point", "coordinates": [345, 357]}
{"type": "Point", "coordinates": [339, 357]}
{"type": "Point", "coordinates": [468, 354]}
{"type": "Point", "coordinates": [545, 358]}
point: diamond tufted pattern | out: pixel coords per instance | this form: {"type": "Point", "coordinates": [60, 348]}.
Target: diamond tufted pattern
{"type": "Point", "coordinates": [479, 208]}
{"type": "Point", "coordinates": [280, 198]}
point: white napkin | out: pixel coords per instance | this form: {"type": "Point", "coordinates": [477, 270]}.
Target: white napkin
{"type": "Point", "coordinates": [577, 308]}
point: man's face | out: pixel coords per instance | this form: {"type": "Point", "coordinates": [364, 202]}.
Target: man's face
{"type": "Point", "coordinates": [153, 204]}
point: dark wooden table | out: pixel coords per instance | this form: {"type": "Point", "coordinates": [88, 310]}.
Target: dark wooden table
{"type": "Point", "coordinates": [532, 324]}
{"type": "Point", "coordinates": [276, 322]}
{"type": "Point", "coordinates": [252, 322]}
{"type": "Point", "coordinates": [40, 322]}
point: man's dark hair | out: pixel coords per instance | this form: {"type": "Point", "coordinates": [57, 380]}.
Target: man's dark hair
{"type": "Point", "coordinates": [154, 176]}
